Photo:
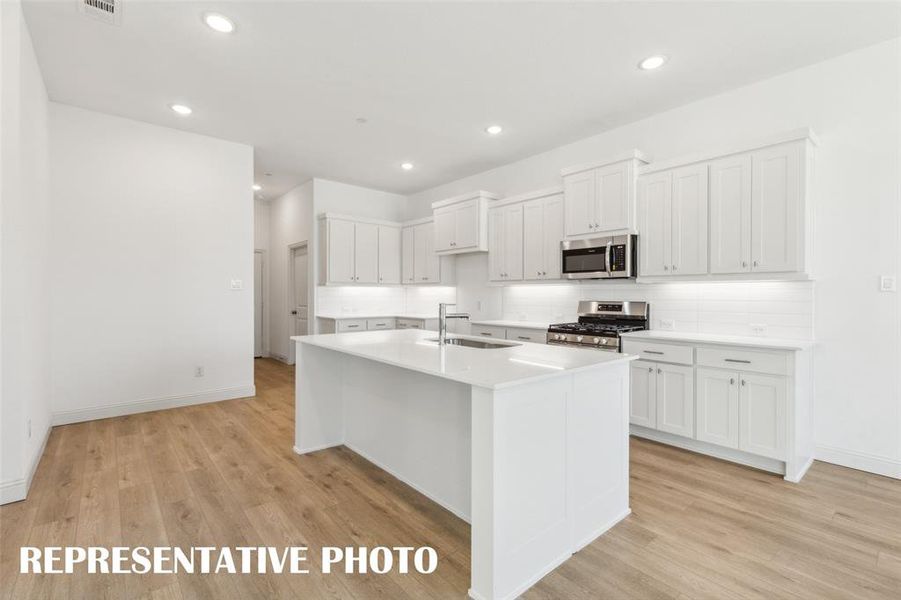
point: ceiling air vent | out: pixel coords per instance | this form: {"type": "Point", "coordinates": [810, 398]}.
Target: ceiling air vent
{"type": "Point", "coordinates": [108, 11]}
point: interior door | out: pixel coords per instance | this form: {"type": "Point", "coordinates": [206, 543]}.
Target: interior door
{"type": "Point", "coordinates": [298, 294]}
{"type": "Point", "coordinates": [553, 235]}
{"type": "Point", "coordinates": [689, 229]}
{"type": "Point", "coordinates": [533, 245]}
{"type": "Point", "coordinates": [776, 208]}
{"type": "Point", "coordinates": [389, 254]}
{"type": "Point", "coordinates": [718, 407]}
{"type": "Point", "coordinates": [655, 210]}
{"type": "Point", "coordinates": [675, 399]}
{"type": "Point", "coordinates": [366, 253]}
{"type": "Point", "coordinates": [513, 242]}
{"type": "Point", "coordinates": [730, 214]}
{"type": "Point", "coordinates": [643, 394]}
{"type": "Point", "coordinates": [580, 193]}
{"type": "Point", "coordinates": [257, 304]}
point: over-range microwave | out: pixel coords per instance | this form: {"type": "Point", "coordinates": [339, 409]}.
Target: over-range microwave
{"type": "Point", "coordinates": [611, 257]}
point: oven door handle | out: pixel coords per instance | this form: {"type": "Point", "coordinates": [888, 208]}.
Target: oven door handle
{"type": "Point", "coordinates": [607, 260]}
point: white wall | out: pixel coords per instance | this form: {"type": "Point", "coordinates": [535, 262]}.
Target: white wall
{"type": "Point", "coordinates": [261, 226]}
{"type": "Point", "coordinates": [24, 257]}
{"type": "Point", "coordinates": [149, 226]}
{"type": "Point", "coordinates": [290, 222]}
{"type": "Point", "coordinates": [852, 102]}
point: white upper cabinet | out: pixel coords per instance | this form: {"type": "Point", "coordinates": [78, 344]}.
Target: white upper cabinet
{"type": "Point", "coordinates": [600, 197]}
{"type": "Point", "coordinates": [389, 254]}
{"type": "Point", "coordinates": [426, 264]}
{"type": "Point", "coordinates": [505, 255]}
{"type": "Point", "coordinates": [461, 223]}
{"type": "Point", "coordinates": [407, 254]}
{"type": "Point", "coordinates": [340, 250]}
{"type": "Point", "coordinates": [689, 221]}
{"type": "Point", "coordinates": [366, 253]}
{"type": "Point", "coordinates": [655, 200]}
{"type": "Point", "coordinates": [543, 230]}
{"type": "Point", "coordinates": [730, 214]}
{"type": "Point", "coordinates": [777, 186]}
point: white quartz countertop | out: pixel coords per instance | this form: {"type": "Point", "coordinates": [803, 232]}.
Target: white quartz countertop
{"type": "Point", "coordinates": [713, 338]}
{"type": "Point", "coordinates": [339, 317]}
{"type": "Point", "coordinates": [489, 368]}
{"type": "Point", "coordinates": [520, 324]}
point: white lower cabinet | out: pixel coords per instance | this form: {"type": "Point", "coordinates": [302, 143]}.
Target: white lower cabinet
{"type": "Point", "coordinates": [733, 402]}
{"type": "Point", "coordinates": [717, 407]}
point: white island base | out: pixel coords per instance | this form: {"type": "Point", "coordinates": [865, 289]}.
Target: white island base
{"type": "Point", "coordinates": [529, 444]}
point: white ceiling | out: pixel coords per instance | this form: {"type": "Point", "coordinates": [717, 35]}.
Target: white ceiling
{"type": "Point", "coordinates": [428, 77]}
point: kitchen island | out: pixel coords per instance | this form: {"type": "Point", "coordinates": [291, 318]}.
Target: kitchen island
{"type": "Point", "coordinates": [527, 442]}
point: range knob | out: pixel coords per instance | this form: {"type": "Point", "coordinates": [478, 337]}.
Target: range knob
{"type": "Point", "coordinates": [558, 336]}
{"type": "Point", "coordinates": [579, 338]}
{"type": "Point", "coordinates": [597, 340]}
{"type": "Point", "coordinates": [604, 341]}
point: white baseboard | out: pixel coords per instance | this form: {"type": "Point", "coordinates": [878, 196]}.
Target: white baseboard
{"type": "Point", "coordinates": [131, 408]}
{"type": "Point", "coordinates": [880, 465]}
{"type": "Point", "coordinates": [17, 489]}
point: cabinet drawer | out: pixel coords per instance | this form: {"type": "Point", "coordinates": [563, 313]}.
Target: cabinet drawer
{"type": "Point", "coordinates": [410, 324]}
{"type": "Point", "coordinates": [489, 331]}
{"type": "Point", "coordinates": [527, 335]}
{"type": "Point", "coordinates": [659, 352]}
{"type": "Point", "coordinates": [372, 324]}
{"type": "Point", "coordinates": [351, 325]}
{"type": "Point", "coordinates": [743, 359]}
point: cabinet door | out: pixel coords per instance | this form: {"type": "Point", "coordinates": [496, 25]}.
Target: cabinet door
{"type": "Point", "coordinates": [776, 208]}
{"type": "Point", "coordinates": [580, 192]}
{"type": "Point", "coordinates": [614, 197]}
{"type": "Point", "coordinates": [675, 399]}
{"type": "Point", "coordinates": [553, 235]}
{"type": "Point", "coordinates": [466, 225]}
{"type": "Point", "coordinates": [762, 415]}
{"type": "Point", "coordinates": [689, 227]}
{"type": "Point", "coordinates": [408, 252]}
{"type": "Point", "coordinates": [389, 254]}
{"type": "Point", "coordinates": [717, 407]}
{"type": "Point", "coordinates": [655, 223]}
{"type": "Point", "coordinates": [340, 251]}
{"type": "Point", "coordinates": [730, 214]}
{"type": "Point", "coordinates": [513, 243]}
{"type": "Point", "coordinates": [643, 394]}
{"type": "Point", "coordinates": [424, 252]}
{"type": "Point", "coordinates": [496, 246]}
{"type": "Point", "coordinates": [533, 244]}
{"type": "Point", "coordinates": [444, 228]}
{"type": "Point", "coordinates": [431, 260]}
{"type": "Point", "coordinates": [366, 253]}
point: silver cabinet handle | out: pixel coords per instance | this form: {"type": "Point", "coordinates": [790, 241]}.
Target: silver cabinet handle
{"type": "Point", "coordinates": [485, 333]}
{"type": "Point", "coordinates": [674, 267]}
{"type": "Point", "coordinates": [590, 226]}
{"type": "Point", "coordinates": [652, 352]}
{"type": "Point", "coordinates": [659, 371]}
{"type": "Point", "coordinates": [352, 326]}
{"type": "Point", "coordinates": [544, 272]}
{"type": "Point", "coordinates": [755, 263]}
{"type": "Point", "coordinates": [732, 381]}
{"type": "Point", "coordinates": [425, 278]}
{"type": "Point", "coordinates": [596, 226]}
{"type": "Point", "coordinates": [743, 382]}
{"type": "Point", "coordinates": [744, 264]}
{"type": "Point", "coordinates": [737, 360]}
{"type": "Point", "coordinates": [538, 273]}
{"type": "Point", "coordinates": [650, 369]}
{"type": "Point", "coordinates": [665, 268]}
{"type": "Point", "coordinates": [523, 337]}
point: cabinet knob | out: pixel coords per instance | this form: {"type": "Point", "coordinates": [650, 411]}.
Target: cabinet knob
{"type": "Point", "coordinates": [674, 267]}
{"type": "Point", "coordinates": [544, 272]}
{"type": "Point", "coordinates": [743, 382]}
{"type": "Point", "coordinates": [665, 267]}
{"type": "Point", "coordinates": [596, 226]}
{"type": "Point", "coordinates": [755, 263]}
{"type": "Point", "coordinates": [650, 369]}
{"type": "Point", "coordinates": [732, 381]}
{"type": "Point", "coordinates": [744, 264]}
{"type": "Point", "coordinates": [659, 370]}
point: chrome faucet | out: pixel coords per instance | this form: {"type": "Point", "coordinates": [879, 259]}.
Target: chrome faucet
{"type": "Point", "coordinates": [443, 316]}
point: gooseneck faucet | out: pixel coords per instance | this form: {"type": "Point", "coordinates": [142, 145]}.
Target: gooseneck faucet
{"type": "Point", "coordinates": [443, 316]}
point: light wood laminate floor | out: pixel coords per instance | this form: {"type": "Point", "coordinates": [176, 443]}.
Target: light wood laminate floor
{"type": "Point", "coordinates": [224, 474]}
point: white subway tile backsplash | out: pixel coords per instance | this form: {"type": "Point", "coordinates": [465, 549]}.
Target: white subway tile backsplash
{"type": "Point", "coordinates": [386, 300]}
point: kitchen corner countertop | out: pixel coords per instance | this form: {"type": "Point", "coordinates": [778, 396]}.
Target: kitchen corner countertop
{"type": "Point", "coordinates": [713, 338]}
{"type": "Point", "coordinates": [489, 368]}
{"type": "Point", "coordinates": [514, 324]}
{"type": "Point", "coordinates": [418, 316]}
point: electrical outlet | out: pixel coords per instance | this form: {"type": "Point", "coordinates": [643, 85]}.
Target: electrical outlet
{"type": "Point", "coordinates": [667, 324]}
{"type": "Point", "coordinates": [888, 283]}
{"type": "Point", "coordinates": [478, 306]}
{"type": "Point", "coordinates": [758, 328]}
{"type": "Point", "coordinates": [237, 284]}
{"type": "Point", "coordinates": [198, 371]}
{"type": "Point", "coordinates": [29, 428]}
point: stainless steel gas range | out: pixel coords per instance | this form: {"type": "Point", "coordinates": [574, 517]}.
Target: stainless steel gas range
{"type": "Point", "coordinates": [600, 324]}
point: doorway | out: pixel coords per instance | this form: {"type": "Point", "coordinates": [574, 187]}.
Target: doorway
{"type": "Point", "coordinates": [259, 331]}
{"type": "Point", "coordinates": [298, 294]}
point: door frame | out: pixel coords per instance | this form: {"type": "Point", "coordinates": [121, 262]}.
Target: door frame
{"type": "Point", "coordinates": [264, 283]}
{"type": "Point", "coordinates": [289, 292]}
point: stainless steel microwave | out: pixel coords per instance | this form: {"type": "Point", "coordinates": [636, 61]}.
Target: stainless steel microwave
{"type": "Point", "coordinates": [611, 257]}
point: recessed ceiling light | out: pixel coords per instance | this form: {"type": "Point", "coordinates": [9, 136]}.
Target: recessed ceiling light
{"type": "Point", "coordinates": [652, 62]}
{"type": "Point", "coordinates": [257, 187]}
{"type": "Point", "coordinates": [406, 166]}
{"type": "Point", "coordinates": [181, 109]}
{"type": "Point", "coordinates": [218, 23]}
{"type": "Point", "coordinates": [494, 129]}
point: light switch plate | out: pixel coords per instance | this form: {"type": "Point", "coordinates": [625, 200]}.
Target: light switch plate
{"type": "Point", "coordinates": [667, 324]}
{"type": "Point", "coordinates": [237, 284]}
{"type": "Point", "coordinates": [888, 283]}
{"type": "Point", "coordinates": [758, 328]}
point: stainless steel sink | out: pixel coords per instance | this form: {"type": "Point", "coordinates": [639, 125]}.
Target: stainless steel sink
{"type": "Point", "coordinates": [455, 341]}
